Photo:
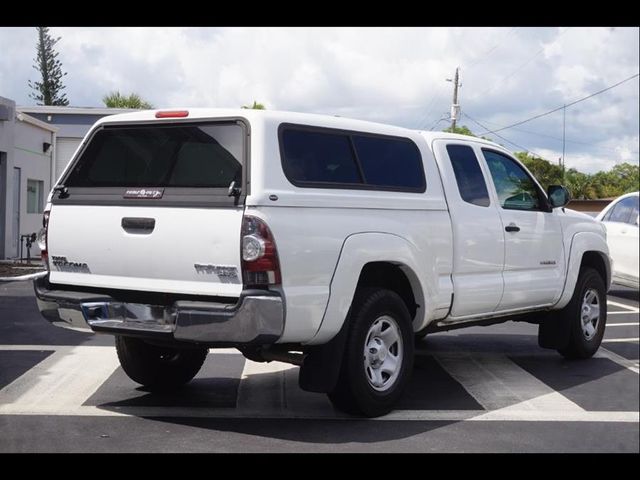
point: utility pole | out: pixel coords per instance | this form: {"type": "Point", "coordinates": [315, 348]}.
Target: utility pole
{"type": "Point", "coordinates": [564, 116]}
{"type": "Point", "coordinates": [455, 108]}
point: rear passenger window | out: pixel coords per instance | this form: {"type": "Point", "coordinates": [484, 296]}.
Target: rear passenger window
{"type": "Point", "coordinates": [319, 157]}
{"type": "Point", "coordinates": [471, 184]}
{"type": "Point", "coordinates": [322, 157]}
{"type": "Point", "coordinates": [389, 162]}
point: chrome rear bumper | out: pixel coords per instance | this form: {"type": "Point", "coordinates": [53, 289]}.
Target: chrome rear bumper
{"type": "Point", "coordinates": [257, 317]}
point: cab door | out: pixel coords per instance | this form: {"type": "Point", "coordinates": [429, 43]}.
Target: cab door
{"type": "Point", "coordinates": [478, 237]}
{"type": "Point", "coordinates": [534, 258]}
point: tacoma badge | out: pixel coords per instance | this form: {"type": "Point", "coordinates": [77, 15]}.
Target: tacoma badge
{"type": "Point", "coordinates": [226, 274]}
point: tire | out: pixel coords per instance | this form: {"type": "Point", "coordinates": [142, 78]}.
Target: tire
{"type": "Point", "coordinates": [158, 368]}
{"type": "Point", "coordinates": [372, 390]}
{"type": "Point", "coordinates": [590, 285]}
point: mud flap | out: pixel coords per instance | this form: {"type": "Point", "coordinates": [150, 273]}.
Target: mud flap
{"type": "Point", "coordinates": [554, 331]}
{"type": "Point", "coordinates": [321, 368]}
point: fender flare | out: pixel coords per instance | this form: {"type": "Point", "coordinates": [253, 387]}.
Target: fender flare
{"type": "Point", "coordinates": [361, 248]}
{"type": "Point", "coordinates": [581, 243]}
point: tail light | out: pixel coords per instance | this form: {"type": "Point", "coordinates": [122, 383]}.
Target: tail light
{"type": "Point", "coordinates": [260, 265]}
{"type": "Point", "coordinates": [42, 240]}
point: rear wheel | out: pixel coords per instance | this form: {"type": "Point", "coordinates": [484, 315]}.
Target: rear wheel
{"type": "Point", "coordinates": [157, 367]}
{"type": "Point", "coordinates": [378, 357]}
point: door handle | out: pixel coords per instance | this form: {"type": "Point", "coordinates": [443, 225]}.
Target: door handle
{"type": "Point", "coordinates": [512, 227]}
{"type": "Point", "coordinates": [142, 225]}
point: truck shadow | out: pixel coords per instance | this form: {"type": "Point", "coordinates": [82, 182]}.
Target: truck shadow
{"type": "Point", "coordinates": [627, 293]}
{"type": "Point", "coordinates": [217, 399]}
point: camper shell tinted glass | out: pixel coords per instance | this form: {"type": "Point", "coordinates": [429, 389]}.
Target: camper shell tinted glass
{"type": "Point", "coordinates": [319, 157]}
{"type": "Point", "coordinates": [187, 162]}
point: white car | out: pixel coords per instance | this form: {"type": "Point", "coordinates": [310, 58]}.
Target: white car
{"type": "Point", "coordinates": [620, 218]}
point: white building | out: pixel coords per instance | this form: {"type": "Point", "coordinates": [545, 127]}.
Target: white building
{"type": "Point", "coordinates": [36, 143]}
{"type": "Point", "coordinates": [72, 123]}
{"type": "Point", "coordinates": [26, 173]}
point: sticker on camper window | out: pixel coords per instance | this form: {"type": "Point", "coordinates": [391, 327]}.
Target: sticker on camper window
{"type": "Point", "coordinates": [144, 193]}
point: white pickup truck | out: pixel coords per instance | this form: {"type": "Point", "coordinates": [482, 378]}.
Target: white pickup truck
{"type": "Point", "coordinates": [322, 241]}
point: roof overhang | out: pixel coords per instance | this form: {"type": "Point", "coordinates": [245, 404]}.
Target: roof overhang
{"type": "Point", "coordinates": [56, 110]}
{"type": "Point", "coordinates": [23, 117]}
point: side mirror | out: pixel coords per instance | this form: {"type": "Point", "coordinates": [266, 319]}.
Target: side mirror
{"type": "Point", "coordinates": [558, 195]}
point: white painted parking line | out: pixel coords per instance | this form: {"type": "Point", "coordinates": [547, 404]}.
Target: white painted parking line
{"type": "Point", "coordinates": [628, 324]}
{"type": "Point", "coordinates": [54, 348]}
{"type": "Point", "coordinates": [262, 386]}
{"type": "Point", "coordinates": [621, 313]}
{"type": "Point", "coordinates": [620, 360]}
{"type": "Point", "coordinates": [515, 416]}
{"type": "Point", "coordinates": [64, 379]}
{"type": "Point", "coordinates": [510, 415]}
{"type": "Point", "coordinates": [226, 351]}
{"type": "Point", "coordinates": [498, 383]}
{"type": "Point", "coordinates": [61, 383]}
{"type": "Point", "coordinates": [622, 305]}
{"type": "Point", "coordinates": [620, 340]}
{"type": "Point", "coordinates": [51, 348]}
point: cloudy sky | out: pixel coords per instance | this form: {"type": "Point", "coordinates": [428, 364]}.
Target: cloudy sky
{"type": "Point", "coordinates": [391, 75]}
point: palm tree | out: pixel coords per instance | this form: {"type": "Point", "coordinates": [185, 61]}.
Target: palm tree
{"type": "Point", "coordinates": [255, 106]}
{"type": "Point", "coordinates": [133, 100]}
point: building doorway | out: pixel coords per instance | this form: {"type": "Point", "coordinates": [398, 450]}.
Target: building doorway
{"type": "Point", "coordinates": [3, 201]}
{"type": "Point", "coordinates": [15, 240]}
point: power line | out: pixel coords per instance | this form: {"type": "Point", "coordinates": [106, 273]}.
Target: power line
{"type": "Point", "coordinates": [423, 120]}
{"type": "Point", "coordinates": [530, 132]}
{"type": "Point", "coordinates": [504, 138]}
{"type": "Point", "coordinates": [486, 54]}
{"type": "Point", "coordinates": [495, 85]}
{"type": "Point", "coordinates": [429, 108]}
{"type": "Point", "coordinates": [561, 107]}
{"type": "Point", "coordinates": [441, 119]}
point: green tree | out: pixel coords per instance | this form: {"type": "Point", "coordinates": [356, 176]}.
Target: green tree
{"type": "Point", "coordinates": [463, 130]}
{"type": "Point", "coordinates": [622, 178]}
{"type": "Point", "coordinates": [626, 176]}
{"type": "Point", "coordinates": [49, 90]}
{"type": "Point", "coordinates": [546, 173]}
{"type": "Point", "coordinates": [580, 185]}
{"type": "Point", "coordinates": [255, 106]}
{"type": "Point", "coordinates": [133, 100]}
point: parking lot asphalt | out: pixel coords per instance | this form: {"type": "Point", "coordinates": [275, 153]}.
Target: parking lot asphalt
{"type": "Point", "coordinates": [481, 389]}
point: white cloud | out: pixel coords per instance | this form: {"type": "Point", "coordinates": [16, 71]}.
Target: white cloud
{"type": "Point", "coordinates": [393, 75]}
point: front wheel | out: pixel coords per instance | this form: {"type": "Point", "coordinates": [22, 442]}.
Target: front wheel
{"type": "Point", "coordinates": [156, 367]}
{"type": "Point", "coordinates": [378, 357]}
{"type": "Point", "coordinates": [585, 316]}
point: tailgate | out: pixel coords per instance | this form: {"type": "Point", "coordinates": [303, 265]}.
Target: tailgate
{"type": "Point", "coordinates": [190, 251]}
{"type": "Point", "coordinates": [155, 206]}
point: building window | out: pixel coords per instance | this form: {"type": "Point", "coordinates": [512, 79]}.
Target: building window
{"type": "Point", "coordinates": [35, 189]}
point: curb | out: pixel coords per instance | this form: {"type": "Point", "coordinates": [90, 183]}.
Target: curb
{"type": "Point", "coordinates": [23, 278]}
